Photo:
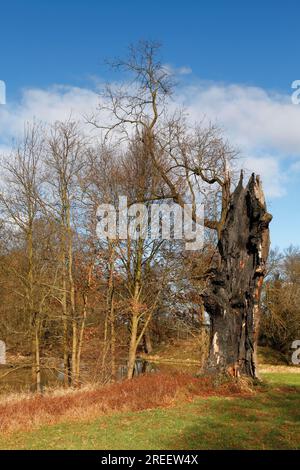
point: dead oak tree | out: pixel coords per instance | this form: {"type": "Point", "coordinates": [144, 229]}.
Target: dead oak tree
{"type": "Point", "coordinates": [233, 296]}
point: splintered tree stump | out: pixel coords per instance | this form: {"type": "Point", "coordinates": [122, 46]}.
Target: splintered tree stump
{"type": "Point", "coordinates": [232, 299]}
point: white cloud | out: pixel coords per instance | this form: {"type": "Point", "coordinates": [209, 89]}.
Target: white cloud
{"type": "Point", "coordinates": [263, 125]}
{"type": "Point", "coordinates": [46, 105]}
{"type": "Point", "coordinates": [274, 178]}
{"type": "Point", "coordinates": [184, 70]}
{"type": "Point", "coordinates": [251, 116]}
{"type": "Point", "coordinates": [177, 70]}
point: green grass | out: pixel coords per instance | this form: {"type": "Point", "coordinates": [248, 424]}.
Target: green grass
{"type": "Point", "coordinates": [282, 378]}
{"type": "Point", "coordinates": [269, 419]}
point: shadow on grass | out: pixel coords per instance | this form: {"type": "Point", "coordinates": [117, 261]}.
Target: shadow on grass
{"type": "Point", "coordinates": [265, 421]}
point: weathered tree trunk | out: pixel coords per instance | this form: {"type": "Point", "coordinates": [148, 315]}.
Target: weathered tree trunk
{"type": "Point", "coordinates": [233, 296]}
{"type": "Point", "coordinates": [147, 342]}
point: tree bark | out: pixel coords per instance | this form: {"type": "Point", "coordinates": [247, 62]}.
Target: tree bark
{"type": "Point", "coordinates": [133, 346]}
{"type": "Point", "coordinates": [233, 295]}
{"type": "Point", "coordinates": [147, 341]}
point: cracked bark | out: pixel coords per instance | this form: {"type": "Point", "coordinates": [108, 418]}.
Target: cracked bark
{"type": "Point", "coordinates": [233, 296]}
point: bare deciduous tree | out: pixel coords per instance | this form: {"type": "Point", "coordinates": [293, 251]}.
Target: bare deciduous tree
{"type": "Point", "coordinates": [190, 162]}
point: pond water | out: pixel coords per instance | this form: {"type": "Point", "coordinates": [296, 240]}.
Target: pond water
{"type": "Point", "coordinates": [141, 367]}
{"type": "Point", "coordinates": [20, 379]}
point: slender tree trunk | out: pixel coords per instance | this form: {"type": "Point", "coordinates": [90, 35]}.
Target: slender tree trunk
{"type": "Point", "coordinates": [37, 361]}
{"type": "Point", "coordinates": [74, 340]}
{"type": "Point", "coordinates": [68, 293]}
{"type": "Point", "coordinates": [113, 341]}
{"type": "Point", "coordinates": [111, 308]}
{"type": "Point", "coordinates": [202, 335]}
{"type": "Point", "coordinates": [135, 309]}
{"type": "Point", "coordinates": [83, 322]}
{"type": "Point", "coordinates": [132, 346]}
{"type": "Point", "coordinates": [233, 296]}
{"type": "Point", "coordinates": [65, 324]}
{"type": "Point", "coordinates": [74, 352]}
{"type": "Point", "coordinates": [147, 342]}
{"type": "Point", "coordinates": [106, 346]}
{"type": "Point", "coordinates": [34, 320]}
{"type": "Point", "coordinates": [80, 340]}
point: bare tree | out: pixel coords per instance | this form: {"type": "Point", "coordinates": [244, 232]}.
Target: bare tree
{"type": "Point", "coordinates": [20, 201]}
{"type": "Point", "coordinates": [191, 162]}
{"type": "Point", "coordinates": [280, 322]}
{"type": "Point", "coordinates": [64, 163]}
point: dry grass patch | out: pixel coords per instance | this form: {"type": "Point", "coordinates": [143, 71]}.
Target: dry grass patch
{"type": "Point", "coordinates": [141, 393]}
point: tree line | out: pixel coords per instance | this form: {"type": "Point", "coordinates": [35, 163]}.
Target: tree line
{"type": "Point", "coordinates": [59, 281]}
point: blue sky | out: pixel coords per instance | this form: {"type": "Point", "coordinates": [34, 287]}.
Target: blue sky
{"type": "Point", "coordinates": [242, 56]}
